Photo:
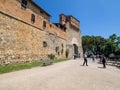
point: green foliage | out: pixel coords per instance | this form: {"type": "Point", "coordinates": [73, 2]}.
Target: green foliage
{"type": "Point", "coordinates": [99, 45]}
{"type": "Point", "coordinates": [60, 60]}
{"type": "Point", "coordinates": [113, 38]}
{"type": "Point", "coordinates": [118, 39]}
{"type": "Point", "coordinates": [109, 47]}
{"type": "Point", "coordinates": [51, 56]}
{"type": "Point", "coordinates": [62, 45]}
{"type": "Point", "coordinates": [67, 53]}
{"type": "Point", "coordinates": [16, 67]}
{"type": "Point", "coordinates": [56, 49]}
{"type": "Point", "coordinates": [92, 44]}
{"type": "Point", "coordinates": [62, 51]}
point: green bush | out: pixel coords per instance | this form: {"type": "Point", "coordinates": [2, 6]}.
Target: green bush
{"type": "Point", "coordinates": [67, 53]}
{"type": "Point", "coordinates": [62, 51]}
{"type": "Point", "coordinates": [57, 49]}
{"type": "Point", "coordinates": [51, 56]}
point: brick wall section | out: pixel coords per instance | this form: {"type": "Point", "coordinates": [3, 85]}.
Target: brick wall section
{"type": "Point", "coordinates": [13, 8]}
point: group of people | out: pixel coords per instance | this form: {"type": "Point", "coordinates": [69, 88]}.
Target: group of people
{"type": "Point", "coordinates": [102, 59]}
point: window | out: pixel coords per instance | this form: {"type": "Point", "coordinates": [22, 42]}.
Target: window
{"type": "Point", "coordinates": [32, 18]}
{"type": "Point", "coordinates": [50, 25]}
{"type": "Point", "coordinates": [65, 29]}
{"type": "Point", "coordinates": [44, 44]}
{"type": "Point", "coordinates": [41, 11]}
{"type": "Point", "coordinates": [44, 24]}
{"type": "Point", "coordinates": [24, 4]}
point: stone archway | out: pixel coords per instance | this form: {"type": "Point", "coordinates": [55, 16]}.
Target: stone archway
{"type": "Point", "coordinates": [75, 50]}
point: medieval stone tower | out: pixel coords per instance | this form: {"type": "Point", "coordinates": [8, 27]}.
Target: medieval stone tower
{"type": "Point", "coordinates": [26, 33]}
{"type": "Point", "coordinates": [73, 34]}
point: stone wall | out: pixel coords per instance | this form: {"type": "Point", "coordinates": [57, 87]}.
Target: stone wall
{"type": "Point", "coordinates": [74, 37]}
{"type": "Point", "coordinates": [21, 42]}
{"type": "Point", "coordinates": [55, 42]}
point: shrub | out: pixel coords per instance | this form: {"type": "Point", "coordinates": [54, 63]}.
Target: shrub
{"type": "Point", "coordinates": [67, 53]}
{"type": "Point", "coordinates": [51, 56]}
{"type": "Point", "coordinates": [57, 49]}
{"type": "Point", "coordinates": [62, 51]}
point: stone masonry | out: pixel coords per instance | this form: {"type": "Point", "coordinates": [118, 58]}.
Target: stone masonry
{"type": "Point", "coordinates": [26, 33]}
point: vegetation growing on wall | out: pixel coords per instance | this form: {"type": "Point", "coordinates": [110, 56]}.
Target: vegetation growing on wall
{"type": "Point", "coordinates": [62, 50]}
{"type": "Point", "coordinates": [67, 53]}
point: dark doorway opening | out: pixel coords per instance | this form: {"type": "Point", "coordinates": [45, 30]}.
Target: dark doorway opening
{"type": "Point", "coordinates": [75, 50]}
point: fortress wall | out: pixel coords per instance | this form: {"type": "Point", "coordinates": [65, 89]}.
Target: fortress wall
{"type": "Point", "coordinates": [21, 42]}
{"type": "Point", "coordinates": [13, 8]}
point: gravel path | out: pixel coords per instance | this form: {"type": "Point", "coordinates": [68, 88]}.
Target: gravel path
{"type": "Point", "coordinates": [68, 75]}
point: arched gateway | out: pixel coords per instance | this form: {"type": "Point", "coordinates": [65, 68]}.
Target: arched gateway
{"type": "Point", "coordinates": [74, 43]}
{"type": "Point", "coordinates": [75, 50]}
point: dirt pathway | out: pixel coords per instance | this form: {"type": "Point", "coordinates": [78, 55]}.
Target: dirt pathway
{"type": "Point", "coordinates": [68, 75]}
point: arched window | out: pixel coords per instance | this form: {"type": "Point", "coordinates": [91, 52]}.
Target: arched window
{"type": "Point", "coordinates": [32, 18]}
{"type": "Point", "coordinates": [44, 24]}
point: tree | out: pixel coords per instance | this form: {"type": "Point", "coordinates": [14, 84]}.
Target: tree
{"type": "Point", "coordinates": [92, 44]}
{"type": "Point", "coordinates": [113, 38]}
{"type": "Point", "coordinates": [99, 45]}
{"type": "Point", "coordinates": [115, 42]}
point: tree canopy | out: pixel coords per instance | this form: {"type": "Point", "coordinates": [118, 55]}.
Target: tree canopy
{"type": "Point", "coordinates": [99, 45]}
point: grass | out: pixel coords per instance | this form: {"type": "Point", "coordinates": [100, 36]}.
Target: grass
{"type": "Point", "coordinates": [60, 60]}
{"type": "Point", "coordinates": [17, 67]}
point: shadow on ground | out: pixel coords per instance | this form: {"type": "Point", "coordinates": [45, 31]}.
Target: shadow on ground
{"type": "Point", "coordinates": [101, 67]}
{"type": "Point", "coordinates": [118, 67]}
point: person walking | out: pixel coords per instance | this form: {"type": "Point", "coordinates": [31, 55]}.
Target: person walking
{"type": "Point", "coordinates": [104, 61]}
{"type": "Point", "coordinates": [85, 60]}
{"type": "Point", "coordinates": [93, 58]}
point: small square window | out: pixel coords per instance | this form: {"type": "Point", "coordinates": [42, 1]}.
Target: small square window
{"type": "Point", "coordinates": [32, 18]}
{"type": "Point", "coordinates": [44, 44]}
{"type": "Point", "coordinates": [44, 24]}
{"type": "Point", "coordinates": [24, 4]}
{"type": "Point", "coordinates": [50, 25]}
{"type": "Point", "coordinates": [41, 11]}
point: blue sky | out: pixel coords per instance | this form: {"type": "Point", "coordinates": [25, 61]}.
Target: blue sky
{"type": "Point", "coordinates": [97, 17]}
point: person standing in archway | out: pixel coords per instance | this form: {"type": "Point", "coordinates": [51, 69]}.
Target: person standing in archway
{"type": "Point", "coordinates": [85, 60]}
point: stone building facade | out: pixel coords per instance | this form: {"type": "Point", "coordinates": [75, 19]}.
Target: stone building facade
{"type": "Point", "coordinates": [26, 33]}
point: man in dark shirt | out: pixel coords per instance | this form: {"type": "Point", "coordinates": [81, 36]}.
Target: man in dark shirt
{"type": "Point", "coordinates": [85, 60]}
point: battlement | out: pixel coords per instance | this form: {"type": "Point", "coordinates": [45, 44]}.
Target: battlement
{"type": "Point", "coordinates": [69, 19]}
{"type": "Point", "coordinates": [74, 22]}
